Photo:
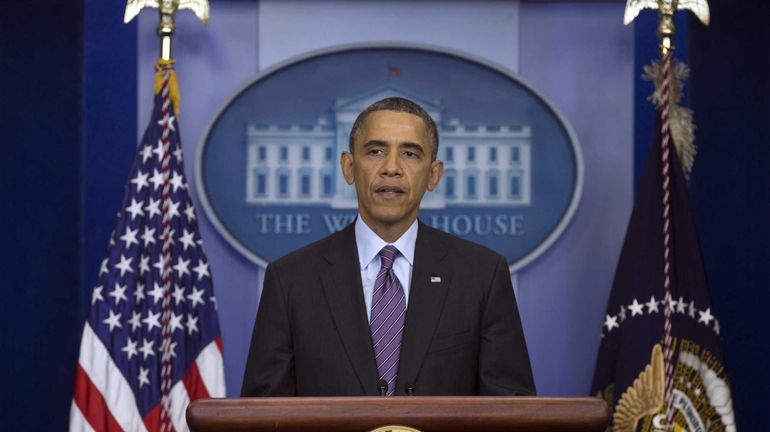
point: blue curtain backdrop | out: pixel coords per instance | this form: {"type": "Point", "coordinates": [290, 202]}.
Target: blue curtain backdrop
{"type": "Point", "coordinates": [68, 116]}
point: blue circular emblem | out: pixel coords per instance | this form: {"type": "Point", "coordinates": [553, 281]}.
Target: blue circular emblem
{"type": "Point", "coordinates": [268, 168]}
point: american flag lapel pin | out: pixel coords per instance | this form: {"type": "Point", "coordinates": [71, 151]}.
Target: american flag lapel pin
{"type": "Point", "coordinates": [435, 279]}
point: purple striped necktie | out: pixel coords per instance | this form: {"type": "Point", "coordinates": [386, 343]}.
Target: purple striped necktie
{"type": "Point", "coordinates": [387, 318]}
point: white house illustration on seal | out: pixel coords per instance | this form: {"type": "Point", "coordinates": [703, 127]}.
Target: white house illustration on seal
{"type": "Point", "coordinates": [484, 165]}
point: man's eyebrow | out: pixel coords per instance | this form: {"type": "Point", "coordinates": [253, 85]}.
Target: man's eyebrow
{"type": "Point", "coordinates": [404, 145]}
{"type": "Point", "coordinates": [413, 146]}
{"type": "Point", "coordinates": [375, 143]}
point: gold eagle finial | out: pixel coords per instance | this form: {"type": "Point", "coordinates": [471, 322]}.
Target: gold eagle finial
{"type": "Point", "coordinates": [699, 7]}
{"type": "Point", "coordinates": [199, 7]}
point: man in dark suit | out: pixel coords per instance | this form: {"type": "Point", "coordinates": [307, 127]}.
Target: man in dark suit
{"type": "Point", "coordinates": [389, 305]}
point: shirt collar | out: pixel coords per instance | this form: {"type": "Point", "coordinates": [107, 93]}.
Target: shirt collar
{"type": "Point", "coordinates": [369, 244]}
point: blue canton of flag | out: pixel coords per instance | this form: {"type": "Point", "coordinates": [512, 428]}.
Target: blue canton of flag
{"type": "Point", "coordinates": [119, 375]}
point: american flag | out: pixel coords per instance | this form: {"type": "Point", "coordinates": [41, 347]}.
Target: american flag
{"type": "Point", "coordinates": [151, 343]}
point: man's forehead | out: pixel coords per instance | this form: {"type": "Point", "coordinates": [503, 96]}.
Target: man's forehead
{"type": "Point", "coordinates": [387, 121]}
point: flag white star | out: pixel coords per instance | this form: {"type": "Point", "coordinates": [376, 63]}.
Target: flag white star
{"type": "Point", "coordinates": [652, 305]}
{"type": "Point", "coordinates": [139, 293]}
{"type": "Point", "coordinates": [705, 316]}
{"type": "Point", "coordinates": [716, 326]}
{"type": "Point", "coordinates": [124, 265]}
{"type": "Point", "coordinates": [168, 350]}
{"type": "Point", "coordinates": [681, 306]}
{"type": "Point", "coordinates": [636, 308]}
{"type": "Point", "coordinates": [135, 208]}
{"type": "Point", "coordinates": [177, 181]}
{"type": "Point", "coordinates": [152, 208]}
{"type": "Point", "coordinates": [152, 320]}
{"type": "Point", "coordinates": [135, 320]}
{"type": "Point", "coordinates": [144, 265]}
{"type": "Point", "coordinates": [157, 292]}
{"type": "Point", "coordinates": [172, 349]}
{"type": "Point", "coordinates": [103, 269]}
{"type": "Point", "coordinates": [158, 150]}
{"type": "Point", "coordinates": [691, 310]}
{"type": "Point", "coordinates": [187, 239]}
{"type": "Point", "coordinates": [159, 264]}
{"type": "Point", "coordinates": [178, 295]}
{"type": "Point", "coordinates": [156, 179]}
{"type": "Point", "coordinates": [610, 322]}
{"type": "Point", "coordinates": [169, 120]}
{"type": "Point", "coordinates": [146, 348]}
{"type": "Point", "coordinates": [140, 180]}
{"type": "Point", "coordinates": [118, 293]}
{"type": "Point", "coordinates": [173, 209]}
{"type": "Point", "coordinates": [130, 348]}
{"type": "Point", "coordinates": [668, 302]}
{"type": "Point", "coordinates": [181, 267]}
{"type": "Point", "coordinates": [192, 324]}
{"type": "Point", "coordinates": [196, 297]}
{"type": "Point", "coordinates": [622, 313]}
{"type": "Point", "coordinates": [146, 153]}
{"type": "Point", "coordinates": [113, 321]}
{"type": "Point", "coordinates": [178, 155]}
{"type": "Point", "coordinates": [175, 322]}
{"type": "Point", "coordinates": [130, 237]}
{"type": "Point", "coordinates": [143, 376]}
{"type": "Point", "coordinates": [673, 304]}
{"type": "Point", "coordinates": [96, 295]}
{"type": "Point", "coordinates": [202, 269]}
{"type": "Point", "coordinates": [189, 211]}
{"type": "Point", "coordinates": [213, 301]}
{"type": "Point", "coordinates": [148, 236]}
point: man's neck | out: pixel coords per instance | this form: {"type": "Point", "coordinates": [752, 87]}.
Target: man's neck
{"type": "Point", "coordinates": [389, 233]}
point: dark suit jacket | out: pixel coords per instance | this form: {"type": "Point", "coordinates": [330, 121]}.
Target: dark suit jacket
{"type": "Point", "coordinates": [462, 335]}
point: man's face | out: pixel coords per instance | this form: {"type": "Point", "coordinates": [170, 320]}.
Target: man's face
{"type": "Point", "coordinates": [391, 168]}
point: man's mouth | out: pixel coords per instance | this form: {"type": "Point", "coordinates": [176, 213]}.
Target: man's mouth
{"type": "Point", "coordinates": [389, 191]}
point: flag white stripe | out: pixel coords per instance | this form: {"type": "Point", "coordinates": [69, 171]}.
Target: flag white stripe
{"type": "Point", "coordinates": [107, 378]}
{"type": "Point", "coordinates": [211, 369]}
{"type": "Point", "coordinates": [179, 401]}
{"type": "Point", "coordinates": [78, 422]}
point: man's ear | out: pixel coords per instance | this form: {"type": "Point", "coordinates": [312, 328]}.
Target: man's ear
{"type": "Point", "coordinates": [436, 171]}
{"type": "Point", "coordinates": [346, 163]}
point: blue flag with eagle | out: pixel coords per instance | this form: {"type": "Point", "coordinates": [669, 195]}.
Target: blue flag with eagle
{"type": "Point", "coordinates": [660, 365]}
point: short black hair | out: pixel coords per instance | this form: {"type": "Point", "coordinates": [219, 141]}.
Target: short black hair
{"type": "Point", "coordinates": [398, 104]}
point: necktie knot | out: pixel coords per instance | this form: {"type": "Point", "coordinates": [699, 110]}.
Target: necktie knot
{"type": "Point", "coordinates": [387, 256]}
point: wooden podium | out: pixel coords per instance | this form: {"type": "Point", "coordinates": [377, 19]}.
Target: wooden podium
{"type": "Point", "coordinates": [426, 414]}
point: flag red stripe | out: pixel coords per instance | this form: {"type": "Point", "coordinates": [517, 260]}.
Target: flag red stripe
{"type": "Point", "coordinates": [92, 404]}
{"type": "Point", "coordinates": [152, 419]}
{"type": "Point", "coordinates": [220, 345]}
{"type": "Point", "coordinates": [194, 384]}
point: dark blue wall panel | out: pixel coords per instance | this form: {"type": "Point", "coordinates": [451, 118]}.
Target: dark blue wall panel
{"type": "Point", "coordinates": [731, 190]}
{"type": "Point", "coordinates": [40, 120]}
{"type": "Point", "coordinates": [109, 84]}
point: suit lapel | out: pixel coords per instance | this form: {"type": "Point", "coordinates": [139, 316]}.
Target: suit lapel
{"type": "Point", "coordinates": [427, 293]}
{"type": "Point", "coordinates": [340, 276]}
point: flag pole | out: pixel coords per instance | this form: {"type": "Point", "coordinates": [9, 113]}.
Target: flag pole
{"type": "Point", "coordinates": [666, 31]}
{"type": "Point", "coordinates": [166, 86]}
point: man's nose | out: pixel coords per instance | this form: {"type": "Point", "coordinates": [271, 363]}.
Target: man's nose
{"type": "Point", "coordinates": [392, 164]}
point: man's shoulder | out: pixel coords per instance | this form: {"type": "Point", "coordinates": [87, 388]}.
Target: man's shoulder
{"type": "Point", "coordinates": [458, 248]}
{"type": "Point", "coordinates": [313, 251]}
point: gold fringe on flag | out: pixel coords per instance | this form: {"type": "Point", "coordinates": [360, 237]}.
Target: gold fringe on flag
{"type": "Point", "coordinates": [681, 118]}
{"type": "Point", "coordinates": [173, 86]}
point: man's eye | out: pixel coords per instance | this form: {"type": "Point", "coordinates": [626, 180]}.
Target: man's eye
{"type": "Point", "coordinates": [410, 154]}
{"type": "Point", "coordinates": [375, 152]}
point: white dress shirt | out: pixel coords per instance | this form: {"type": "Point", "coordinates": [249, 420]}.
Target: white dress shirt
{"type": "Point", "coordinates": [369, 245]}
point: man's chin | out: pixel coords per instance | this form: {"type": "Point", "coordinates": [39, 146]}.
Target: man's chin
{"type": "Point", "coordinates": [390, 218]}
